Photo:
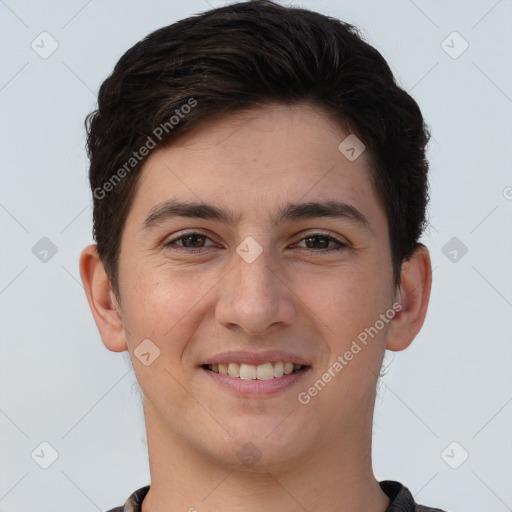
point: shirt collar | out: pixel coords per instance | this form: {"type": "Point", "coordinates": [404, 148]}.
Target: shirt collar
{"type": "Point", "coordinates": [401, 499]}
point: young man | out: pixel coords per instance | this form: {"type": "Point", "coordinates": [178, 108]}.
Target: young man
{"type": "Point", "coordinates": [259, 185]}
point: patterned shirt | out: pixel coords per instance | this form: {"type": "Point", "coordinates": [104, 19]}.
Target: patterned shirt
{"type": "Point", "coordinates": [401, 499]}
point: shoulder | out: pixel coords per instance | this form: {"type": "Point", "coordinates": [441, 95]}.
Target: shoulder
{"type": "Point", "coordinates": [401, 499]}
{"type": "Point", "coordinates": [134, 502]}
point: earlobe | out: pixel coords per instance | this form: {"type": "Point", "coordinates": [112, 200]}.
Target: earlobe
{"type": "Point", "coordinates": [413, 295]}
{"type": "Point", "coordinates": [104, 306]}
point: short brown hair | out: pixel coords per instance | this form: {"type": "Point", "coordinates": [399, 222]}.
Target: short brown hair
{"type": "Point", "coordinates": [244, 56]}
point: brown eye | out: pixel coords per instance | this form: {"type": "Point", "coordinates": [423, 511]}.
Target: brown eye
{"type": "Point", "coordinates": [317, 242]}
{"type": "Point", "coordinates": [193, 240]}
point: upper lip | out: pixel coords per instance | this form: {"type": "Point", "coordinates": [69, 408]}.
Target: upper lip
{"type": "Point", "coordinates": [256, 358]}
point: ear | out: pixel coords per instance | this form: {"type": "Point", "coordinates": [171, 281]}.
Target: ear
{"type": "Point", "coordinates": [413, 294]}
{"type": "Point", "coordinates": [102, 301]}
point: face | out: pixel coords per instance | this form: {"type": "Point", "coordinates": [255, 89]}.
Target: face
{"type": "Point", "coordinates": [254, 240]}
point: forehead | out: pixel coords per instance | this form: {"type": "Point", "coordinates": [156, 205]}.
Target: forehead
{"type": "Point", "coordinates": [253, 162]}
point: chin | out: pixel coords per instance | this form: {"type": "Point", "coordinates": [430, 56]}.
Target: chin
{"type": "Point", "coordinates": [262, 444]}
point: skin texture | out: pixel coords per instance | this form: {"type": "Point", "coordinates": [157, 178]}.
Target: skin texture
{"type": "Point", "coordinates": [192, 306]}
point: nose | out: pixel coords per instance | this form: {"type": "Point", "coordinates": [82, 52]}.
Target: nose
{"type": "Point", "coordinates": [255, 297]}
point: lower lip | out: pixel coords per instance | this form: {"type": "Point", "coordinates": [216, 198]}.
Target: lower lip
{"type": "Point", "coordinates": [255, 387]}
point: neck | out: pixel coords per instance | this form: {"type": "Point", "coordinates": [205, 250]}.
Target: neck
{"type": "Point", "coordinates": [336, 476]}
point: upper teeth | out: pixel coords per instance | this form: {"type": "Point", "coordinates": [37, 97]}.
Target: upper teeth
{"type": "Point", "coordinates": [265, 371]}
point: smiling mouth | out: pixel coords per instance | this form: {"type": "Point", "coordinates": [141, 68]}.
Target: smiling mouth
{"type": "Point", "coordinates": [266, 371]}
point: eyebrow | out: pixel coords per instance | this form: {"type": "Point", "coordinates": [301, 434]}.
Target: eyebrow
{"type": "Point", "coordinates": [290, 212]}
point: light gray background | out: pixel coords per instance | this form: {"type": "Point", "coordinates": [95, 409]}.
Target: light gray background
{"type": "Point", "coordinates": [60, 385]}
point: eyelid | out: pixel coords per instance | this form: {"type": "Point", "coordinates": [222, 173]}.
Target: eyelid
{"type": "Point", "coordinates": [336, 238]}
{"type": "Point", "coordinates": [183, 234]}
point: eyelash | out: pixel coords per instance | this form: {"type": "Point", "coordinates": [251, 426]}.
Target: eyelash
{"type": "Point", "coordinates": [341, 245]}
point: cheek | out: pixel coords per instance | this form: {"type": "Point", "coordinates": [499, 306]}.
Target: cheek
{"type": "Point", "coordinates": [346, 298]}
{"type": "Point", "coordinates": [344, 308]}
{"type": "Point", "coordinates": [164, 305]}
{"type": "Point", "coordinates": [163, 310]}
